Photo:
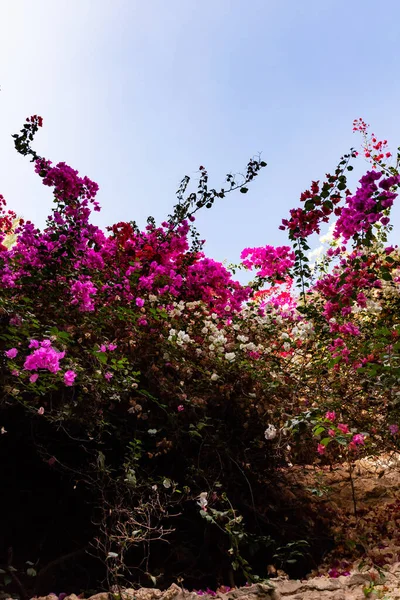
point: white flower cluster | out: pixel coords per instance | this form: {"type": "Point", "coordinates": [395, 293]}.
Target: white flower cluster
{"type": "Point", "coordinates": [242, 338]}
{"type": "Point", "coordinates": [202, 500]}
{"type": "Point", "coordinates": [391, 289]}
{"type": "Point", "coordinates": [178, 309]}
{"type": "Point", "coordinates": [216, 338]}
{"type": "Point", "coordinates": [249, 346]}
{"type": "Point", "coordinates": [372, 307]}
{"type": "Point", "coordinates": [270, 433]}
{"type": "Point", "coordinates": [318, 253]}
{"type": "Point", "coordinates": [303, 330]}
{"type": "Point", "coordinates": [181, 338]}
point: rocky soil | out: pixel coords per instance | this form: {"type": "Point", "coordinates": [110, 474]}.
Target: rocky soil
{"type": "Point", "coordinates": [368, 542]}
{"type": "Point", "coordinates": [357, 586]}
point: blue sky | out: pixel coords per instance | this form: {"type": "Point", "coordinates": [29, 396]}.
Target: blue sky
{"type": "Point", "coordinates": [137, 94]}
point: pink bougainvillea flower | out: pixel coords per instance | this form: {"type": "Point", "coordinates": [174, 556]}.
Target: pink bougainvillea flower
{"type": "Point", "coordinates": [330, 415]}
{"type": "Point", "coordinates": [15, 373]}
{"type": "Point", "coordinates": [33, 344]}
{"type": "Point", "coordinates": [69, 377]}
{"type": "Point", "coordinates": [40, 411]}
{"type": "Point", "coordinates": [269, 260]}
{"type": "Point", "coordinates": [108, 376]}
{"type": "Point", "coordinates": [331, 433]}
{"type": "Point", "coordinates": [12, 353]}
{"type": "Point", "coordinates": [16, 321]}
{"type": "Point", "coordinates": [82, 295]}
{"type": "Point", "coordinates": [33, 378]}
{"type": "Point", "coordinates": [102, 348]}
{"type": "Point", "coordinates": [139, 302]}
{"type": "Point", "coordinates": [358, 439]}
{"type": "Point", "coordinates": [112, 347]}
{"type": "Point", "coordinates": [44, 357]}
{"type": "Point", "coordinates": [343, 427]}
{"type": "Point", "coordinates": [321, 449]}
{"type": "Point", "coordinates": [181, 408]}
{"type": "Point", "coordinates": [51, 461]}
{"type": "Point", "coordinates": [393, 429]}
{"type": "Point", "coordinates": [334, 573]}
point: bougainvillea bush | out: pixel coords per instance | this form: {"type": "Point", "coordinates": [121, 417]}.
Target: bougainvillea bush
{"type": "Point", "coordinates": [176, 396]}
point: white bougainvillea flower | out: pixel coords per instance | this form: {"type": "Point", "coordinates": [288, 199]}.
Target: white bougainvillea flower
{"type": "Point", "coordinates": [203, 501]}
{"type": "Point", "coordinates": [270, 432]}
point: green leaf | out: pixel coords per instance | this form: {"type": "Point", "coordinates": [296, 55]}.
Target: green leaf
{"type": "Point", "coordinates": [64, 335]}
{"type": "Point", "coordinates": [341, 440]}
{"type": "Point", "coordinates": [318, 430]}
{"type": "Point", "coordinates": [386, 276]}
{"type": "Point", "coordinates": [326, 441]}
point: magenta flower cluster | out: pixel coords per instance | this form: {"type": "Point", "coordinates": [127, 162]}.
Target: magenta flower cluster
{"type": "Point", "coordinates": [269, 261]}
{"type": "Point", "coordinates": [82, 293]}
{"type": "Point", "coordinates": [95, 269]}
{"type": "Point", "coordinates": [367, 206]}
{"type": "Point", "coordinates": [43, 357]}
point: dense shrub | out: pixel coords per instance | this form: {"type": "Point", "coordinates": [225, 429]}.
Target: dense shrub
{"type": "Point", "coordinates": [173, 395]}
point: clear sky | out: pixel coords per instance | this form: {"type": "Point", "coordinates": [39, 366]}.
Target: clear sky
{"type": "Point", "coordinates": [137, 93]}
